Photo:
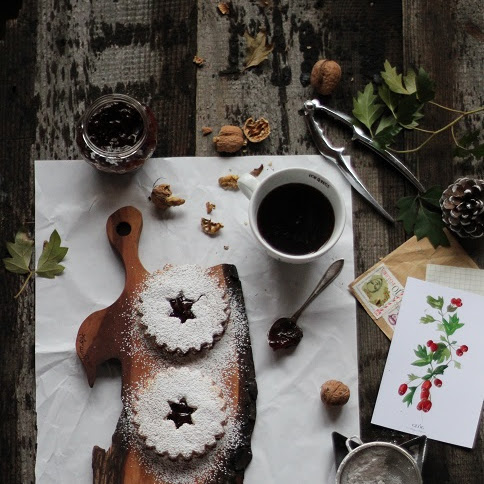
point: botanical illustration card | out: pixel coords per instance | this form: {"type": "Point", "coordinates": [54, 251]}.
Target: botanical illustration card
{"type": "Point", "coordinates": [432, 384]}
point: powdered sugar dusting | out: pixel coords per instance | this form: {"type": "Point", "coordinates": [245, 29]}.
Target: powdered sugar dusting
{"type": "Point", "coordinates": [208, 307]}
{"type": "Point", "coordinates": [222, 363]}
{"type": "Point", "coordinates": [152, 407]}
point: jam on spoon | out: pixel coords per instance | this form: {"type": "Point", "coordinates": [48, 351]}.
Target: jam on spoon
{"type": "Point", "coordinates": [285, 333]}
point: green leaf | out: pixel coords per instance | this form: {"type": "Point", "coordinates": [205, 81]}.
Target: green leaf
{"type": "Point", "coordinates": [425, 86]}
{"type": "Point", "coordinates": [438, 354]}
{"type": "Point", "coordinates": [389, 98]}
{"type": "Point", "coordinates": [430, 224]}
{"type": "Point", "coordinates": [452, 325]}
{"type": "Point", "coordinates": [427, 319]}
{"type": "Point", "coordinates": [408, 398]}
{"type": "Point", "coordinates": [421, 351]}
{"type": "Point", "coordinates": [408, 210]}
{"type": "Point", "coordinates": [410, 81]}
{"type": "Point", "coordinates": [431, 198]}
{"type": "Point", "coordinates": [412, 377]}
{"type": "Point", "coordinates": [365, 108]}
{"type": "Point", "coordinates": [385, 135]}
{"type": "Point", "coordinates": [408, 111]}
{"type": "Point", "coordinates": [392, 79]}
{"type": "Point", "coordinates": [457, 365]}
{"type": "Point", "coordinates": [21, 253]}
{"type": "Point", "coordinates": [440, 370]}
{"type": "Point", "coordinates": [52, 253]}
{"type": "Point", "coordinates": [435, 303]}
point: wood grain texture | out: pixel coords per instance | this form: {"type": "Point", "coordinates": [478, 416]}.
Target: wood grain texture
{"type": "Point", "coordinates": [57, 57]}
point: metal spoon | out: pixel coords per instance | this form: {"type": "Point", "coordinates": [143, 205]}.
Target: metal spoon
{"type": "Point", "coordinates": [285, 333]}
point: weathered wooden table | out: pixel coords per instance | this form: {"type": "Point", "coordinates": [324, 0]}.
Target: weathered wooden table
{"type": "Point", "coordinates": [57, 57]}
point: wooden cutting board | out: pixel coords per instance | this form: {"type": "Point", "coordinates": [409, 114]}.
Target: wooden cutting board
{"type": "Point", "coordinates": [104, 336]}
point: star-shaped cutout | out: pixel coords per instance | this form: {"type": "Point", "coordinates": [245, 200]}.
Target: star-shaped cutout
{"type": "Point", "coordinates": [182, 308]}
{"type": "Point", "coordinates": [181, 413]}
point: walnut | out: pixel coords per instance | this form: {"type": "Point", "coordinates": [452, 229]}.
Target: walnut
{"type": "Point", "coordinates": [257, 171]}
{"type": "Point", "coordinates": [209, 227]}
{"type": "Point", "coordinates": [229, 182]}
{"type": "Point", "coordinates": [229, 140]}
{"type": "Point", "coordinates": [210, 206]}
{"type": "Point", "coordinates": [325, 76]}
{"type": "Point", "coordinates": [223, 8]}
{"type": "Point", "coordinates": [162, 197]}
{"type": "Point", "coordinates": [334, 393]}
{"type": "Point", "coordinates": [206, 130]}
{"type": "Point", "coordinates": [199, 61]}
{"type": "Point", "coordinates": [256, 131]}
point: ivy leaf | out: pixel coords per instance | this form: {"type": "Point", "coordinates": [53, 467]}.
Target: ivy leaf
{"type": "Point", "coordinates": [408, 210]}
{"type": "Point", "coordinates": [408, 398]}
{"type": "Point", "coordinates": [257, 49]}
{"type": "Point", "coordinates": [425, 87]}
{"type": "Point", "coordinates": [365, 108]}
{"type": "Point", "coordinates": [21, 253]}
{"type": "Point", "coordinates": [435, 303]}
{"type": "Point", "coordinates": [430, 224]}
{"type": "Point", "coordinates": [52, 253]}
{"type": "Point", "coordinates": [392, 79]}
{"type": "Point", "coordinates": [431, 197]}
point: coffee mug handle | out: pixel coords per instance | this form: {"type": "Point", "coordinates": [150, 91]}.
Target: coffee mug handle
{"type": "Point", "coordinates": [247, 184]}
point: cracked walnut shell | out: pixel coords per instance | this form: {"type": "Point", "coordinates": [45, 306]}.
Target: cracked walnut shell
{"type": "Point", "coordinates": [325, 76]}
{"type": "Point", "coordinates": [256, 131]}
{"type": "Point", "coordinates": [229, 140]}
{"type": "Point", "coordinates": [334, 393]}
{"type": "Point", "coordinates": [162, 197]}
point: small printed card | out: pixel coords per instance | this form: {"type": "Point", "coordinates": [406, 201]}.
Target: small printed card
{"type": "Point", "coordinates": [432, 384]}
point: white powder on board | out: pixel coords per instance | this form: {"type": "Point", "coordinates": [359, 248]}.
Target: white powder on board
{"type": "Point", "coordinates": [219, 362]}
{"type": "Point", "coordinates": [209, 308]}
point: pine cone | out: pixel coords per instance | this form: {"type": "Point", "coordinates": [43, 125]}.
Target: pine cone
{"type": "Point", "coordinates": [462, 206]}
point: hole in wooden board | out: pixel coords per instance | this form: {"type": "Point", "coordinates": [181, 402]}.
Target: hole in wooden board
{"type": "Point", "coordinates": [123, 229]}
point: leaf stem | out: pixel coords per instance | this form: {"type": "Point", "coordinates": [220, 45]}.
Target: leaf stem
{"type": "Point", "coordinates": [24, 285]}
{"type": "Point", "coordinates": [446, 108]}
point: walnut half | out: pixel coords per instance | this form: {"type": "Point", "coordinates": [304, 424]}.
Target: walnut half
{"type": "Point", "coordinates": [229, 182]}
{"type": "Point", "coordinates": [209, 227]}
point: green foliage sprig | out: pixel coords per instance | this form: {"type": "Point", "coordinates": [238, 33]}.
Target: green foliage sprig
{"type": "Point", "coordinates": [21, 251]}
{"type": "Point", "coordinates": [397, 104]}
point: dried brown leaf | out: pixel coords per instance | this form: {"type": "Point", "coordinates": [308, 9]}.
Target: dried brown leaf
{"type": "Point", "coordinates": [257, 171]}
{"type": "Point", "coordinates": [257, 49]}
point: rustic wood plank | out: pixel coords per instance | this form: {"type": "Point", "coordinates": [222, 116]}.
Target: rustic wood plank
{"type": "Point", "coordinates": [17, 131]}
{"type": "Point", "coordinates": [454, 59]}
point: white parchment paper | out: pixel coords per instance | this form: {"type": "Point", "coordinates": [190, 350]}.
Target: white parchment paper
{"type": "Point", "coordinates": [292, 436]}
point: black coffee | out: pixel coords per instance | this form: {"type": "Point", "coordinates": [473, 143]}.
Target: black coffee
{"type": "Point", "coordinates": [295, 219]}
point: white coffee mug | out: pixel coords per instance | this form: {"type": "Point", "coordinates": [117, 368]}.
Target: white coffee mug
{"type": "Point", "coordinates": [303, 197]}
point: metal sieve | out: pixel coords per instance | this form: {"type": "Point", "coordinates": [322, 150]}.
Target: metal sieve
{"type": "Point", "coordinates": [377, 463]}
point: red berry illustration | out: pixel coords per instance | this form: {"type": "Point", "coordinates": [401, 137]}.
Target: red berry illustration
{"type": "Point", "coordinates": [456, 301]}
{"type": "Point", "coordinates": [426, 385]}
{"type": "Point", "coordinates": [464, 348]}
{"type": "Point", "coordinates": [402, 389]}
{"type": "Point", "coordinates": [419, 405]}
{"type": "Point", "coordinates": [437, 382]}
{"type": "Point", "coordinates": [429, 342]}
{"type": "Point", "coordinates": [434, 347]}
{"type": "Point", "coordinates": [424, 394]}
{"type": "Point", "coordinates": [426, 405]}
{"type": "Point", "coordinates": [459, 352]}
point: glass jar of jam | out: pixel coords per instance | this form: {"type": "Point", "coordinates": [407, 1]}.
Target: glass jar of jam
{"type": "Point", "coordinates": [117, 134]}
